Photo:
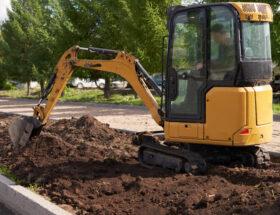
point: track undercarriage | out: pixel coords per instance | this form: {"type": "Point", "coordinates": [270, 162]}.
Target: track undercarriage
{"type": "Point", "coordinates": [194, 158]}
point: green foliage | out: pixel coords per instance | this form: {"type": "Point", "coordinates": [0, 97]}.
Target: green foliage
{"type": "Point", "coordinates": [6, 172]}
{"type": "Point", "coordinates": [2, 83]}
{"type": "Point", "coordinates": [134, 26]}
{"type": "Point", "coordinates": [96, 96]}
{"type": "Point", "coordinates": [19, 93]}
{"type": "Point", "coordinates": [276, 108]}
{"type": "Point", "coordinates": [8, 86]}
{"type": "Point", "coordinates": [39, 31]}
{"type": "Point", "coordinates": [2, 79]}
{"type": "Point", "coordinates": [32, 39]}
{"type": "Point", "coordinates": [76, 95]}
{"type": "Point", "coordinates": [34, 188]}
{"type": "Point", "coordinates": [3, 75]}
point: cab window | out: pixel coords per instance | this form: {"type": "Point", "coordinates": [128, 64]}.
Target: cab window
{"type": "Point", "coordinates": [222, 44]}
{"type": "Point", "coordinates": [188, 54]}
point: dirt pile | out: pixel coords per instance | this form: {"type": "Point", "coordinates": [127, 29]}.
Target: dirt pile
{"type": "Point", "coordinates": [89, 168]}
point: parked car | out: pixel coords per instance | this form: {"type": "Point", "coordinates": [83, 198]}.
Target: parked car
{"type": "Point", "coordinates": [19, 85]}
{"type": "Point", "coordinates": [158, 79]}
{"type": "Point", "coordinates": [87, 83]}
{"type": "Point", "coordinates": [81, 83]}
{"type": "Point", "coordinates": [119, 84]}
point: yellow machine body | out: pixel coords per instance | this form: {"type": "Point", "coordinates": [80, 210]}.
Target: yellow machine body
{"type": "Point", "coordinates": [221, 99]}
{"type": "Point", "coordinates": [234, 117]}
{"type": "Point", "coordinates": [254, 12]}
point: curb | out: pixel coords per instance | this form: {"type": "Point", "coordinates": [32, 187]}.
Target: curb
{"type": "Point", "coordinates": [25, 202]}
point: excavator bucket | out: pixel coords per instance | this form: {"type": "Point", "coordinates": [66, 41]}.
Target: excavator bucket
{"type": "Point", "coordinates": [22, 129]}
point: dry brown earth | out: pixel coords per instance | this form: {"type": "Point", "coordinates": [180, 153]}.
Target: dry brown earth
{"type": "Point", "coordinates": [89, 168]}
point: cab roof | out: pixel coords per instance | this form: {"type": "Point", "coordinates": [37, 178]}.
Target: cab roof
{"type": "Point", "coordinates": [248, 11]}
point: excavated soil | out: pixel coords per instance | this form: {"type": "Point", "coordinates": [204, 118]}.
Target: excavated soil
{"type": "Point", "coordinates": [88, 168]}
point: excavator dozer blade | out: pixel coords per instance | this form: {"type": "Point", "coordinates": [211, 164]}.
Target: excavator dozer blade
{"type": "Point", "coordinates": [22, 129]}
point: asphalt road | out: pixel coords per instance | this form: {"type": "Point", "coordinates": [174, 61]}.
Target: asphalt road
{"type": "Point", "coordinates": [5, 211]}
{"type": "Point", "coordinates": [133, 118]}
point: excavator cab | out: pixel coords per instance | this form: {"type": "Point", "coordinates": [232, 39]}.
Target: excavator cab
{"type": "Point", "coordinates": [218, 101]}
{"type": "Point", "coordinates": [218, 74]}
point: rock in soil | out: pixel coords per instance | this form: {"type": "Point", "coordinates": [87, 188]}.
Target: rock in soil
{"type": "Point", "coordinates": [89, 168]}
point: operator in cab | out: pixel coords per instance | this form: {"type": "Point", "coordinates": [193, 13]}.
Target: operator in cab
{"type": "Point", "coordinates": [221, 67]}
{"type": "Point", "coordinates": [222, 62]}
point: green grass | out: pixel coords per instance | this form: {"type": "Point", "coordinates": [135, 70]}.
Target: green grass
{"type": "Point", "coordinates": [34, 187]}
{"type": "Point", "coordinates": [96, 96]}
{"type": "Point", "coordinates": [6, 172]}
{"type": "Point", "coordinates": [276, 108]}
{"type": "Point", "coordinates": [92, 95]}
{"type": "Point", "coordinates": [77, 95]}
{"type": "Point", "coordinates": [19, 94]}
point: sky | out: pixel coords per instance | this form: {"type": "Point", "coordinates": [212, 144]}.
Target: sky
{"type": "Point", "coordinates": [4, 4]}
{"type": "Point", "coordinates": [188, 2]}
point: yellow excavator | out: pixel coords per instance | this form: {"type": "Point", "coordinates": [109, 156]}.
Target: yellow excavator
{"type": "Point", "coordinates": [217, 96]}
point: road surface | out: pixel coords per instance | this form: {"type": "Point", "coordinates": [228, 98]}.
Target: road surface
{"type": "Point", "coordinates": [134, 118]}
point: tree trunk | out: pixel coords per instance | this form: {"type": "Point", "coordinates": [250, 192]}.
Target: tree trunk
{"type": "Point", "coordinates": [134, 93]}
{"type": "Point", "coordinates": [42, 87]}
{"type": "Point", "coordinates": [28, 88]}
{"type": "Point", "coordinates": [98, 85]}
{"type": "Point", "coordinates": [107, 88]}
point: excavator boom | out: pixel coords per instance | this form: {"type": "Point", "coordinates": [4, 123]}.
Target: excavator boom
{"type": "Point", "coordinates": [123, 64]}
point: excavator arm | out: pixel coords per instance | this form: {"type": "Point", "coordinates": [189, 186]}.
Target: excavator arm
{"type": "Point", "coordinates": [123, 64]}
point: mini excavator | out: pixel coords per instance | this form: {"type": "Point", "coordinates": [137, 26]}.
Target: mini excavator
{"type": "Point", "coordinates": [217, 98]}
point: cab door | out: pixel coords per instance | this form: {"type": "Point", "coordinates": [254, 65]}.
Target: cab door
{"type": "Point", "coordinates": [186, 69]}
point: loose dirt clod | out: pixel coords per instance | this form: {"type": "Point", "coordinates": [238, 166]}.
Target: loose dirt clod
{"type": "Point", "coordinates": [89, 168]}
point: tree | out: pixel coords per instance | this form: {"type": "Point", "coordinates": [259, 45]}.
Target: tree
{"type": "Point", "coordinates": [137, 27]}
{"type": "Point", "coordinates": [32, 39]}
{"type": "Point", "coordinates": [134, 26]}
{"type": "Point", "coordinates": [38, 31]}
{"type": "Point", "coordinates": [2, 71]}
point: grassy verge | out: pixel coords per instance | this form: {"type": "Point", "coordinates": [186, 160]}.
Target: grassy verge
{"type": "Point", "coordinates": [89, 95]}
{"type": "Point", "coordinates": [276, 108]}
{"type": "Point", "coordinates": [6, 172]}
{"type": "Point", "coordinates": [19, 94]}
{"type": "Point", "coordinates": [93, 95]}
